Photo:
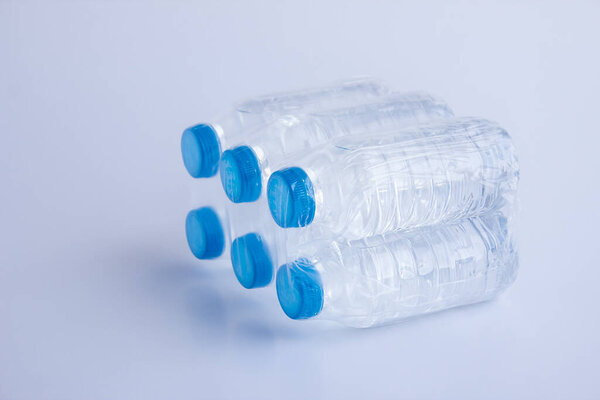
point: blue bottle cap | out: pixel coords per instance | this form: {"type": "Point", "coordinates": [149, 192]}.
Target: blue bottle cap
{"type": "Point", "coordinates": [200, 150]}
{"type": "Point", "coordinates": [240, 174]}
{"type": "Point", "coordinates": [251, 261]}
{"type": "Point", "coordinates": [204, 233]}
{"type": "Point", "coordinates": [291, 198]}
{"type": "Point", "coordinates": [299, 289]}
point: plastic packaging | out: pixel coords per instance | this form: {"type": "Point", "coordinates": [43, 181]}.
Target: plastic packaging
{"type": "Point", "coordinates": [376, 206]}
{"type": "Point", "coordinates": [202, 144]}
{"type": "Point", "coordinates": [200, 149]}
{"type": "Point", "coordinates": [383, 279]}
{"type": "Point", "coordinates": [262, 245]}
{"type": "Point", "coordinates": [359, 187]}
{"type": "Point", "coordinates": [244, 169]}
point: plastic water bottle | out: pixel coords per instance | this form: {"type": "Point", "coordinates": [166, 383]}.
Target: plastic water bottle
{"type": "Point", "coordinates": [424, 175]}
{"type": "Point", "coordinates": [201, 144]}
{"type": "Point", "coordinates": [243, 169]}
{"type": "Point", "coordinates": [258, 249]}
{"type": "Point", "coordinates": [383, 279]}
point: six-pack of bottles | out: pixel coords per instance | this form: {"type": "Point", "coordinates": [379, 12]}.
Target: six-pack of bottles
{"type": "Point", "coordinates": [360, 204]}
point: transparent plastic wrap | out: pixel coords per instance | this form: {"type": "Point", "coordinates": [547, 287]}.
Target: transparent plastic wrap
{"type": "Point", "coordinates": [244, 169]}
{"type": "Point", "coordinates": [263, 245]}
{"type": "Point", "coordinates": [376, 206]}
{"type": "Point", "coordinates": [200, 148]}
{"type": "Point", "coordinates": [383, 279]}
{"type": "Point", "coordinates": [424, 175]}
{"type": "Point", "coordinates": [202, 144]}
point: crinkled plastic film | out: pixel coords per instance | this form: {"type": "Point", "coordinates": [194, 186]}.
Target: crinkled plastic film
{"type": "Point", "coordinates": [413, 222]}
{"type": "Point", "coordinates": [389, 277]}
{"type": "Point", "coordinates": [203, 144]}
{"type": "Point", "coordinates": [423, 175]}
{"type": "Point", "coordinates": [291, 136]}
{"type": "Point", "coordinates": [366, 206]}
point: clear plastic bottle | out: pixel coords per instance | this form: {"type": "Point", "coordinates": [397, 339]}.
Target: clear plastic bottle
{"type": "Point", "coordinates": [201, 144]}
{"type": "Point", "coordinates": [262, 244]}
{"type": "Point", "coordinates": [244, 168]}
{"type": "Point", "coordinates": [383, 279]}
{"type": "Point", "coordinates": [360, 187]}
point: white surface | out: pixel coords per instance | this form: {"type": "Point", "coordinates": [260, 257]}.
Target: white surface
{"type": "Point", "coordinates": [99, 295]}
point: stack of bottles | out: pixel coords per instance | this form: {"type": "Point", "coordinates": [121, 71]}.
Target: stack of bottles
{"type": "Point", "coordinates": [360, 204]}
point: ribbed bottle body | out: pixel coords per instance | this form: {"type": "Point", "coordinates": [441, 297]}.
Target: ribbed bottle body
{"type": "Point", "coordinates": [383, 279]}
{"type": "Point", "coordinates": [293, 135]}
{"type": "Point", "coordinates": [414, 177]}
{"type": "Point", "coordinates": [249, 117]}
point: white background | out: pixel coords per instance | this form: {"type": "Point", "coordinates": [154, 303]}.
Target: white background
{"type": "Point", "coordinates": [100, 297]}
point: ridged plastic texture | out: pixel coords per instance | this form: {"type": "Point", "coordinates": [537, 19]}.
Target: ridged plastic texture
{"type": "Point", "coordinates": [239, 175]}
{"type": "Point", "coordinates": [297, 134]}
{"type": "Point", "coordinates": [248, 117]}
{"type": "Point", "coordinates": [419, 176]}
{"type": "Point", "coordinates": [396, 111]}
{"type": "Point", "coordinates": [344, 94]}
{"type": "Point", "coordinates": [200, 150]}
{"type": "Point", "coordinates": [202, 144]}
{"type": "Point", "coordinates": [292, 134]}
{"type": "Point", "coordinates": [384, 279]}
